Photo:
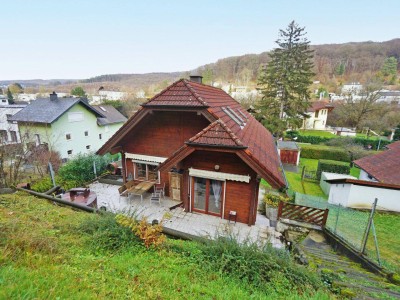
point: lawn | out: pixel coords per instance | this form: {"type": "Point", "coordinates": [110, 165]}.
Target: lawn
{"type": "Point", "coordinates": [306, 187]}
{"type": "Point", "coordinates": [312, 164]}
{"type": "Point", "coordinates": [387, 227]}
{"type": "Point", "coordinates": [52, 252]}
{"type": "Point", "coordinates": [320, 133]}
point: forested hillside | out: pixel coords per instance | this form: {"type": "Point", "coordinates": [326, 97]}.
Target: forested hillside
{"type": "Point", "coordinates": [349, 61]}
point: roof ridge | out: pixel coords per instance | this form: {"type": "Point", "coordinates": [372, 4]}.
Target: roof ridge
{"type": "Point", "coordinates": [193, 91]}
{"type": "Point", "coordinates": [163, 91]}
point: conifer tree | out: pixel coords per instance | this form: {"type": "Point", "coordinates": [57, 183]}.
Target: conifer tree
{"type": "Point", "coordinates": [10, 97]}
{"type": "Point", "coordinates": [284, 82]}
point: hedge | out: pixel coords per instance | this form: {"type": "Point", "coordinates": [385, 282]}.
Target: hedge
{"type": "Point", "coordinates": [332, 166]}
{"type": "Point", "coordinates": [331, 153]}
{"type": "Point", "coordinates": [357, 140]}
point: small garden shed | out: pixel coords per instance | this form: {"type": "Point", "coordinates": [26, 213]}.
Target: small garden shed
{"type": "Point", "coordinates": [289, 152]}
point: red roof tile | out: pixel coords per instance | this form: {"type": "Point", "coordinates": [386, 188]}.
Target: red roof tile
{"type": "Point", "coordinates": [383, 166]}
{"type": "Point", "coordinates": [318, 105]}
{"type": "Point", "coordinates": [216, 134]}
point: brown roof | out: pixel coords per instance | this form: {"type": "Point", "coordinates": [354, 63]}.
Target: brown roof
{"type": "Point", "coordinates": [216, 134]}
{"type": "Point", "coordinates": [383, 166]}
{"type": "Point", "coordinates": [318, 105]}
{"type": "Point", "coordinates": [236, 127]}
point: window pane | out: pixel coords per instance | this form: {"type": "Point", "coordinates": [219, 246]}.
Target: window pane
{"type": "Point", "coordinates": [140, 171]}
{"type": "Point", "coordinates": [215, 198]}
{"type": "Point", "coordinates": [152, 173]}
{"type": "Point", "coordinates": [199, 193]}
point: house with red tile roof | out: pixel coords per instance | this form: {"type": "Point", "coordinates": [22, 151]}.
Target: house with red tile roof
{"type": "Point", "coordinates": [208, 151]}
{"type": "Point", "coordinates": [382, 167]}
{"type": "Point", "coordinates": [317, 115]}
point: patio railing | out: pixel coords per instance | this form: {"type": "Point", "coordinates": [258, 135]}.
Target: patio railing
{"type": "Point", "coordinates": [302, 213]}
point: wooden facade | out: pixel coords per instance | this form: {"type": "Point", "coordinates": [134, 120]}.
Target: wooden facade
{"type": "Point", "coordinates": [178, 138]}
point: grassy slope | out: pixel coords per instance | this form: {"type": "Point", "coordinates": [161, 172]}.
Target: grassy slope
{"type": "Point", "coordinates": [42, 255]}
{"type": "Point", "coordinates": [317, 133]}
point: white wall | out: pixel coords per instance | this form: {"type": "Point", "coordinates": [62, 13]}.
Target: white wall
{"type": "Point", "coordinates": [364, 176]}
{"type": "Point", "coordinates": [357, 196]}
{"type": "Point", "coordinates": [8, 126]}
{"type": "Point", "coordinates": [317, 123]}
{"type": "Point", "coordinates": [339, 194]}
{"type": "Point", "coordinates": [326, 186]}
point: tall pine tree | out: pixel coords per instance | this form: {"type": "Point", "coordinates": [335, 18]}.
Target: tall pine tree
{"type": "Point", "coordinates": [284, 82]}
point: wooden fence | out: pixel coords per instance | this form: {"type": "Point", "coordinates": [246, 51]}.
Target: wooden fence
{"type": "Point", "coordinates": [303, 213]}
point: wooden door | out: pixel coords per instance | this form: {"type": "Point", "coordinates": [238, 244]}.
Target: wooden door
{"type": "Point", "coordinates": [175, 186]}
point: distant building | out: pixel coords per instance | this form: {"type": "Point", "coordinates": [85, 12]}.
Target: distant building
{"type": "Point", "coordinates": [26, 97]}
{"type": "Point", "coordinates": [353, 88]}
{"type": "Point", "coordinates": [390, 97]}
{"type": "Point", "coordinates": [67, 125]}
{"type": "Point", "coordinates": [9, 132]}
{"type": "Point", "coordinates": [316, 115]}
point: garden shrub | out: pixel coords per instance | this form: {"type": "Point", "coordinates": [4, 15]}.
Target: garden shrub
{"type": "Point", "coordinates": [332, 166]}
{"type": "Point", "coordinates": [151, 235]}
{"type": "Point", "coordinates": [106, 234]}
{"type": "Point", "coordinates": [323, 152]}
{"type": "Point", "coordinates": [263, 267]}
{"type": "Point", "coordinates": [80, 169]}
{"type": "Point", "coordinates": [272, 200]}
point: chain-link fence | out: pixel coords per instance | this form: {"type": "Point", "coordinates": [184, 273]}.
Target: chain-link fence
{"type": "Point", "coordinates": [351, 225]}
{"type": "Point", "coordinates": [347, 223]}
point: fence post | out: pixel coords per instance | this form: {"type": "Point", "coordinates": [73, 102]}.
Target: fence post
{"type": "Point", "coordinates": [376, 244]}
{"type": "Point", "coordinates": [52, 174]}
{"type": "Point", "coordinates": [325, 218]}
{"type": "Point", "coordinates": [94, 169]}
{"type": "Point", "coordinates": [337, 218]}
{"type": "Point", "coordinates": [367, 230]}
{"type": "Point", "coordinates": [280, 206]}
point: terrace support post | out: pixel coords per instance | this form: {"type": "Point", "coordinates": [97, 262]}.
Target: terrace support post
{"type": "Point", "coordinates": [368, 229]}
{"type": "Point", "coordinates": [325, 217]}
{"type": "Point", "coordinates": [280, 208]}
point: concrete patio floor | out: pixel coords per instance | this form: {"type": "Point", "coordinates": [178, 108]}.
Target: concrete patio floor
{"type": "Point", "coordinates": [177, 219]}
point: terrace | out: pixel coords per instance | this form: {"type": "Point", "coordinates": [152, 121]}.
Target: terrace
{"type": "Point", "coordinates": [175, 219]}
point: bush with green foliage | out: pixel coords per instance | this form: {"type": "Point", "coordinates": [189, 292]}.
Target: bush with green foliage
{"type": "Point", "coordinates": [332, 166]}
{"type": "Point", "coordinates": [107, 234]}
{"type": "Point", "coordinates": [323, 152]}
{"type": "Point", "coordinates": [80, 169]}
{"type": "Point", "coordinates": [263, 267]}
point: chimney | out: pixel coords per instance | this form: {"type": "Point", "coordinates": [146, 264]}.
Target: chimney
{"type": "Point", "coordinates": [196, 78]}
{"type": "Point", "coordinates": [53, 96]}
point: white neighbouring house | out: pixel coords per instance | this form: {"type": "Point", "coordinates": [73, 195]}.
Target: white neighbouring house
{"type": "Point", "coordinates": [317, 115]}
{"type": "Point", "coordinates": [390, 97]}
{"type": "Point", "coordinates": [9, 132]}
{"type": "Point", "coordinates": [361, 194]}
{"type": "Point", "coordinates": [379, 178]}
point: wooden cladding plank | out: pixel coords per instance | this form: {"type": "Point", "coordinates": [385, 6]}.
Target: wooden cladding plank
{"type": "Point", "coordinates": [302, 213]}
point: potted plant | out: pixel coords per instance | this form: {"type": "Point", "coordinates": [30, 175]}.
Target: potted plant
{"type": "Point", "coordinates": [271, 206]}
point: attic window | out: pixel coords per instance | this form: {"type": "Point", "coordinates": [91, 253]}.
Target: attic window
{"type": "Point", "coordinates": [236, 115]}
{"type": "Point", "coordinates": [242, 113]}
{"type": "Point", "coordinates": [238, 120]}
{"type": "Point", "coordinates": [86, 133]}
{"type": "Point", "coordinates": [102, 108]}
{"type": "Point", "coordinates": [68, 136]}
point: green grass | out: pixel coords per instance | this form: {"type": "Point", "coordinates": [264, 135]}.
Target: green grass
{"type": "Point", "coordinates": [50, 252]}
{"type": "Point", "coordinates": [387, 227]}
{"type": "Point", "coordinates": [317, 133]}
{"type": "Point", "coordinates": [307, 187]}
{"type": "Point", "coordinates": [371, 137]}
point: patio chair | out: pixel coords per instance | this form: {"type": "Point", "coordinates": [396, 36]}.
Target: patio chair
{"type": "Point", "coordinates": [155, 197]}
{"type": "Point", "coordinates": [160, 189]}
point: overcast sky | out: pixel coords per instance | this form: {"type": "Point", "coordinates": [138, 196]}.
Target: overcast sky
{"type": "Point", "coordinates": [60, 39]}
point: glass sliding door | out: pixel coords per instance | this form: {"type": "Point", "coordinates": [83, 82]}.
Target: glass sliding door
{"type": "Point", "coordinates": [207, 196]}
{"type": "Point", "coordinates": [199, 195]}
{"type": "Point", "coordinates": [214, 198]}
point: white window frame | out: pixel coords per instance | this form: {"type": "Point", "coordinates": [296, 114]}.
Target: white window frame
{"type": "Point", "coordinates": [147, 164]}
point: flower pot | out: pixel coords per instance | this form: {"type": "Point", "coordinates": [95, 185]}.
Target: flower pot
{"type": "Point", "coordinates": [272, 215]}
